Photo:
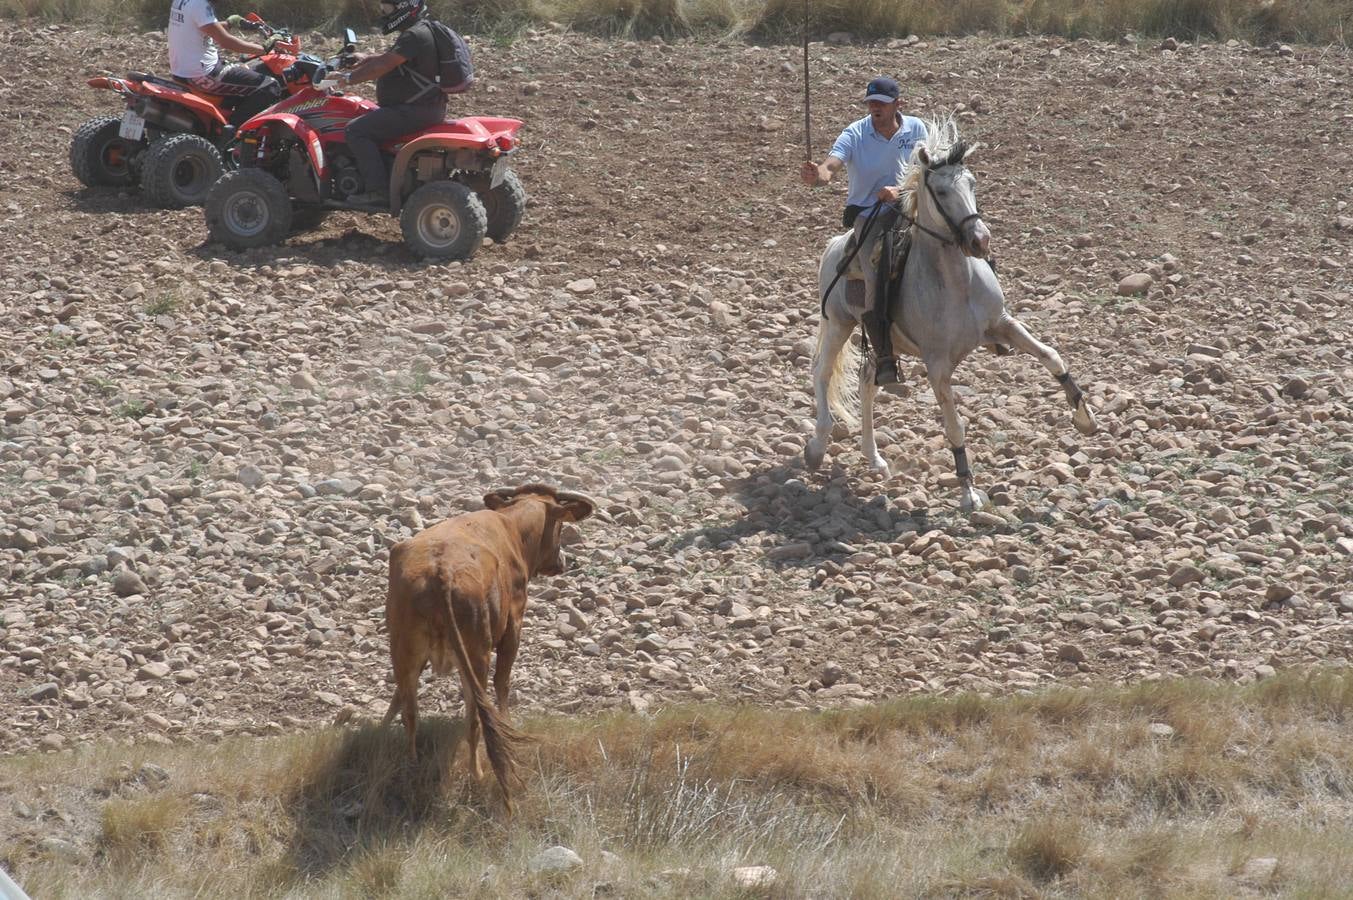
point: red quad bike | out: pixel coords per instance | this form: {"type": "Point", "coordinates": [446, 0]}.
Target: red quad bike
{"type": "Point", "coordinates": [450, 184]}
{"type": "Point", "coordinates": [172, 137]}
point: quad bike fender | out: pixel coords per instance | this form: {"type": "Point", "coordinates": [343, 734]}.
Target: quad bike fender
{"type": "Point", "coordinates": [206, 111]}
{"type": "Point", "coordinates": [307, 136]}
{"type": "Point", "coordinates": [490, 136]}
{"type": "Point", "coordinates": [109, 83]}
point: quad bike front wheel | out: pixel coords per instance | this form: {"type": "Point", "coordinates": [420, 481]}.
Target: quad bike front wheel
{"type": "Point", "coordinates": [248, 208]}
{"type": "Point", "coordinates": [179, 170]}
{"type": "Point", "coordinates": [444, 220]}
{"type": "Point", "coordinates": [100, 157]}
{"type": "Point", "coordinates": [505, 204]}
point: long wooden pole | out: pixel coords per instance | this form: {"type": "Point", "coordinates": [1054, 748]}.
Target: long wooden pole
{"type": "Point", "coordinates": [807, 92]}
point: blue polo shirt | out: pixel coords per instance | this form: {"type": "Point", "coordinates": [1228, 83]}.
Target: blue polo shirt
{"type": "Point", "coordinates": [872, 162]}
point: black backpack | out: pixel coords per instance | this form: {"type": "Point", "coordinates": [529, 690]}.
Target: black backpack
{"type": "Point", "coordinates": [455, 72]}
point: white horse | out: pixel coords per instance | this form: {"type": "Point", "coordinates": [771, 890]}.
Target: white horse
{"type": "Point", "coordinates": [949, 305]}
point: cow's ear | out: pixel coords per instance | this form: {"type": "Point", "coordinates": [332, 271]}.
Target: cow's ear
{"type": "Point", "coordinates": [499, 498]}
{"type": "Point", "coordinates": [576, 509]}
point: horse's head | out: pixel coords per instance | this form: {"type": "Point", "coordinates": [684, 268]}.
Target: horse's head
{"type": "Point", "coordinates": [950, 195]}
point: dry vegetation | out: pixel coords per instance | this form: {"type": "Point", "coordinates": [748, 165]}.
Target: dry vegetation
{"type": "Point", "coordinates": [1315, 21]}
{"type": "Point", "coordinates": [1174, 788]}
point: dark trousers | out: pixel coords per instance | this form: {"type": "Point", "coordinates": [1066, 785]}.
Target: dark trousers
{"type": "Point", "coordinates": [877, 318]}
{"type": "Point", "coordinates": [247, 91]}
{"type": "Point", "coordinates": [365, 135]}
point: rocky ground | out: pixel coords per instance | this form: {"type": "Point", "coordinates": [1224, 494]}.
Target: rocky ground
{"type": "Point", "coordinates": [205, 455]}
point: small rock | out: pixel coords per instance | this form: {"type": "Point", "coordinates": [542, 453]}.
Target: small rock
{"type": "Point", "coordinates": [45, 692]}
{"type": "Point", "coordinates": [1071, 653]}
{"type": "Point", "coordinates": [753, 877]}
{"type": "Point", "coordinates": [127, 583]}
{"type": "Point", "coordinates": [1134, 285]}
{"type": "Point", "coordinates": [582, 286]}
{"type": "Point", "coordinates": [152, 671]}
{"type": "Point", "coordinates": [1161, 730]}
{"type": "Point", "coordinates": [555, 860]}
{"type": "Point", "coordinates": [304, 381]}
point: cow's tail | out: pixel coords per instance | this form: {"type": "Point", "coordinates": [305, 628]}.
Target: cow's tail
{"type": "Point", "coordinates": [500, 739]}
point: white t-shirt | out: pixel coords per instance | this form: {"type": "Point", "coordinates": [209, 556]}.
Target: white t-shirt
{"type": "Point", "coordinates": [191, 53]}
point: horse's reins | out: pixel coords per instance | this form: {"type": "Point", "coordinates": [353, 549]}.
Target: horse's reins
{"type": "Point", "coordinates": [912, 222]}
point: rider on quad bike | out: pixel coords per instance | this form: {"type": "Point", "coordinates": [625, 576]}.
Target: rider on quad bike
{"type": "Point", "coordinates": [194, 35]}
{"type": "Point", "coordinates": [448, 182]}
{"type": "Point", "coordinates": [174, 132]}
{"type": "Point", "coordinates": [406, 91]}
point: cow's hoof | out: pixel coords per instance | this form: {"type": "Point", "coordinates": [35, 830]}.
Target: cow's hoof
{"type": "Point", "coordinates": [972, 500]}
{"type": "Point", "coordinates": [813, 454]}
{"type": "Point", "coordinates": [1084, 418]}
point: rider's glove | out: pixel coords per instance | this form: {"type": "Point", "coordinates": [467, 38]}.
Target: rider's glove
{"type": "Point", "coordinates": [234, 21]}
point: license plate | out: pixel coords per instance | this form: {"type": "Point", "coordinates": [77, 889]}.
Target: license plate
{"type": "Point", "coordinates": [133, 127]}
{"type": "Point", "coordinates": [499, 172]}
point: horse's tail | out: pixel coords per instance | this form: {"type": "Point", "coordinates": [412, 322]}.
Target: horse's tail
{"type": "Point", "coordinates": [843, 379]}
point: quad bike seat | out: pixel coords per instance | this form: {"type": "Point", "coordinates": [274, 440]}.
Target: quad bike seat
{"type": "Point", "coordinates": [157, 80]}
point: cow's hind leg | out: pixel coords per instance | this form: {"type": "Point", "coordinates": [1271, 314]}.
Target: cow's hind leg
{"type": "Point", "coordinates": [970, 498]}
{"type": "Point", "coordinates": [502, 666]}
{"type": "Point", "coordinates": [1013, 332]}
{"type": "Point", "coordinates": [472, 728]}
{"type": "Point", "coordinates": [408, 668]}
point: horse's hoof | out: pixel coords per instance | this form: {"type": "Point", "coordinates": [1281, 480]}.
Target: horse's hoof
{"type": "Point", "coordinates": [879, 466]}
{"type": "Point", "coordinates": [1084, 418]}
{"type": "Point", "coordinates": [813, 455]}
{"type": "Point", "coordinates": [973, 501]}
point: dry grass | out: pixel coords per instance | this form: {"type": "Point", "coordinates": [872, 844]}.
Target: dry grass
{"type": "Point", "coordinates": [1261, 21]}
{"type": "Point", "coordinates": [1064, 793]}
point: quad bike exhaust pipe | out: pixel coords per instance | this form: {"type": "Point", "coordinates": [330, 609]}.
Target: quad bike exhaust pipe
{"type": "Point", "coordinates": [166, 118]}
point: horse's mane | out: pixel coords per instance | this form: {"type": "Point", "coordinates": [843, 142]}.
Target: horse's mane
{"type": "Point", "coordinates": [945, 148]}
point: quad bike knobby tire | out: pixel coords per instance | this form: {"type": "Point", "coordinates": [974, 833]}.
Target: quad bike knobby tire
{"type": "Point", "coordinates": [248, 208]}
{"type": "Point", "coordinates": [444, 220]}
{"type": "Point", "coordinates": [505, 204]}
{"type": "Point", "coordinates": [179, 170]}
{"type": "Point", "coordinates": [99, 157]}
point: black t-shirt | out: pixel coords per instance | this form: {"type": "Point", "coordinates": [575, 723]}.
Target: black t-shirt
{"type": "Point", "coordinates": [416, 45]}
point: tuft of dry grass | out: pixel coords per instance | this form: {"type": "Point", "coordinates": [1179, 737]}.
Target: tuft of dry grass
{"type": "Point", "coordinates": [1050, 848]}
{"type": "Point", "coordinates": [1061, 793]}
{"type": "Point", "coordinates": [1260, 21]}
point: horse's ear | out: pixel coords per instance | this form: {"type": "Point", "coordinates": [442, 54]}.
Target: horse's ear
{"type": "Point", "coordinates": [970, 150]}
{"type": "Point", "coordinates": [923, 155]}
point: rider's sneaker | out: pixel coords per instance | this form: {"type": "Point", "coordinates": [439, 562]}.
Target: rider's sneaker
{"type": "Point", "coordinates": [885, 372]}
{"type": "Point", "coordinates": [376, 199]}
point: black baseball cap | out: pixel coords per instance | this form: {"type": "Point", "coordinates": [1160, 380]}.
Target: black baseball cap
{"type": "Point", "coordinates": [884, 90]}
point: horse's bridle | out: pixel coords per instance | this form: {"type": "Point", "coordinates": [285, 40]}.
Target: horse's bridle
{"type": "Point", "coordinates": [956, 229]}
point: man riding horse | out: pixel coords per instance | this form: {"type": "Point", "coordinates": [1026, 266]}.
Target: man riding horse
{"type": "Point", "coordinates": [874, 151]}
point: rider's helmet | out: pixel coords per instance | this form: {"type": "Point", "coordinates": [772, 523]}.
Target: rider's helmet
{"type": "Point", "coordinates": [397, 15]}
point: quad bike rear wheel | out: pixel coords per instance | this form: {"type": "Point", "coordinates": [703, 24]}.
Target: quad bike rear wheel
{"type": "Point", "coordinates": [100, 157]}
{"type": "Point", "coordinates": [179, 170]}
{"type": "Point", "coordinates": [444, 220]}
{"type": "Point", "coordinates": [505, 205]}
{"type": "Point", "coordinates": [248, 208]}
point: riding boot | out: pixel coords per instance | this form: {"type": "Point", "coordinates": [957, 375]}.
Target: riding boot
{"type": "Point", "coordinates": [879, 331]}
{"type": "Point", "coordinates": [876, 321]}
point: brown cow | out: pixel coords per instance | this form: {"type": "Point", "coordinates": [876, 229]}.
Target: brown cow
{"type": "Point", "coordinates": [458, 592]}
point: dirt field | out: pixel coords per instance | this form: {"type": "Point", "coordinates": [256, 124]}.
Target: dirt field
{"type": "Point", "coordinates": [204, 455]}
